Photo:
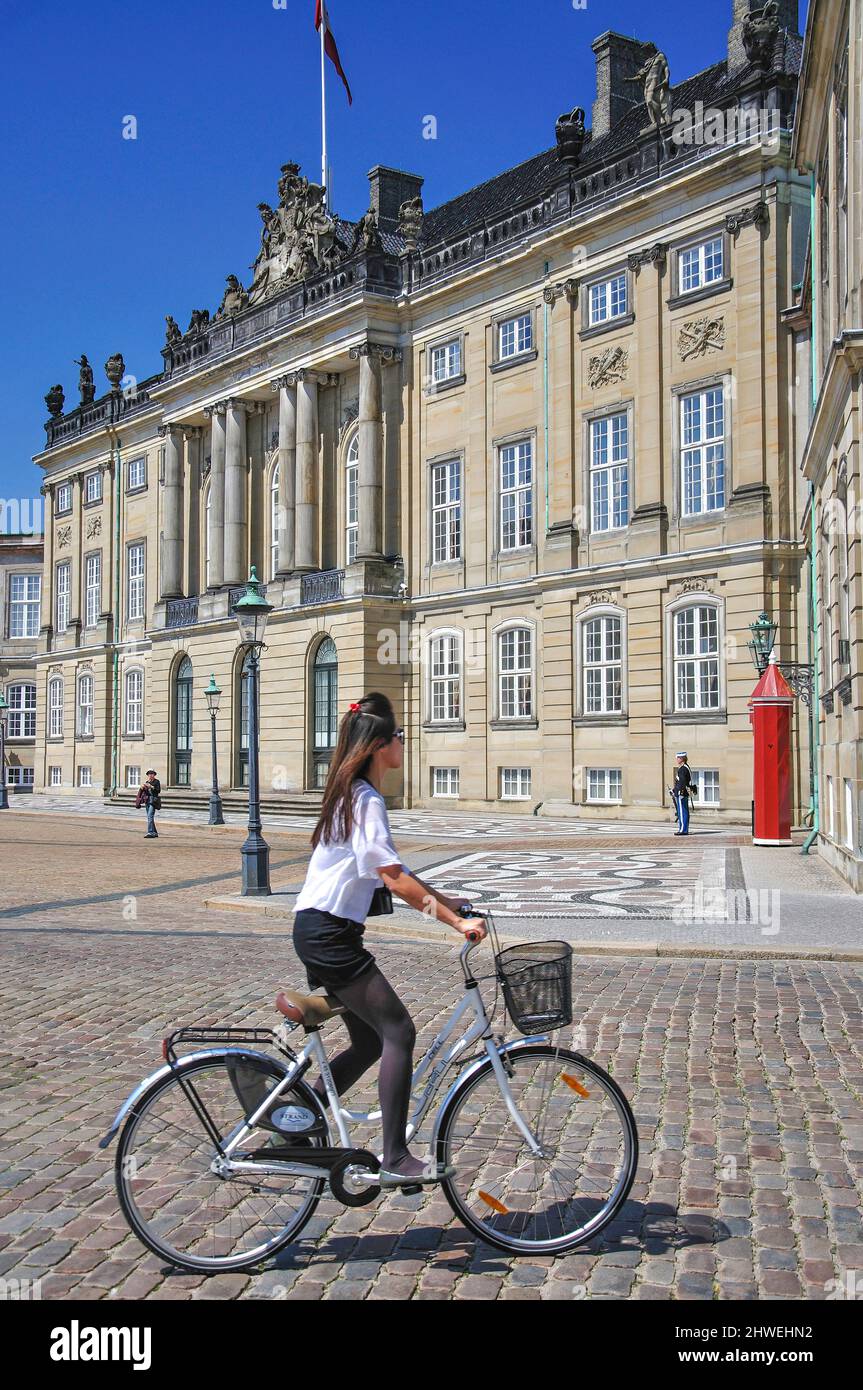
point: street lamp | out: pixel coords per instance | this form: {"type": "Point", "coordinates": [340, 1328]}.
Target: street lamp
{"type": "Point", "coordinates": [251, 612]}
{"type": "Point", "coordinates": [4, 795]}
{"type": "Point", "coordinates": [213, 694]}
{"type": "Point", "coordinates": [763, 636]}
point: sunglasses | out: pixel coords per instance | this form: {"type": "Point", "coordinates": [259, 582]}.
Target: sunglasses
{"type": "Point", "coordinates": [400, 735]}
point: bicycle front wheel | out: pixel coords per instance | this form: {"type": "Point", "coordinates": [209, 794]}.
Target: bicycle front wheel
{"type": "Point", "coordinates": [525, 1203]}
{"type": "Point", "coordinates": [174, 1201]}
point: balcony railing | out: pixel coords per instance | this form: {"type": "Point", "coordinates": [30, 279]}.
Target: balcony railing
{"type": "Point", "coordinates": [181, 612]}
{"type": "Point", "coordinates": [323, 586]}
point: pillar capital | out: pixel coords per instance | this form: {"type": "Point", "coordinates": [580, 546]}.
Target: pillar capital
{"type": "Point", "coordinates": [382, 352]}
{"type": "Point", "coordinates": [217, 408]}
{"type": "Point", "coordinates": [240, 403]}
{"type": "Point", "coordinates": [651, 255]}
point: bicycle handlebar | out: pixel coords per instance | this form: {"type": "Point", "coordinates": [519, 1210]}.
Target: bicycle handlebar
{"type": "Point", "coordinates": [468, 911]}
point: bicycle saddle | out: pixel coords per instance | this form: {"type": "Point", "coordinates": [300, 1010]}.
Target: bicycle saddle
{"type": "Point", "coordinates": [309, 1009]}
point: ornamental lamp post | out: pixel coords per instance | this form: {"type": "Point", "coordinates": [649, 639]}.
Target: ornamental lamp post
{"type": "Point", "coordinates": [212, 695]}
{"type": "Point", "coordinates": [4, 795]}
{"type": "Point", "coordinates": [763, 637]}
{"type": "Point", "coordinates": [252, 612]}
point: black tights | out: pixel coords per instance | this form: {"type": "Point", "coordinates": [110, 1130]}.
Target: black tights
{"type": "Point", "coordinates": [378, 1025]}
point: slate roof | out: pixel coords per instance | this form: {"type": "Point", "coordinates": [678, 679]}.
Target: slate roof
{"type": "Point", "coordinates": [536, 176]}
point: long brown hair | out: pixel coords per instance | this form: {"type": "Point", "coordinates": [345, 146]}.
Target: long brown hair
{"type": "Point", "coordinates": [366, 726]}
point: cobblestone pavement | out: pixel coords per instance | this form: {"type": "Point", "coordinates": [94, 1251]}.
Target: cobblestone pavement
{"type": "Point", "coordinates": [745, 1077]}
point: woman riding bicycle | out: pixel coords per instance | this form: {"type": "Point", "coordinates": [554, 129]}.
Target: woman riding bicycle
{"type": "Point", "coordinates": [353, 856]}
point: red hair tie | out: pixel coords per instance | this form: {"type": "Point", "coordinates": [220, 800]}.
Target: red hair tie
{"type": "Point", "coordinates": [354, 708]}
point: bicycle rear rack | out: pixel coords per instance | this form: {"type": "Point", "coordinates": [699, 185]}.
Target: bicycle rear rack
{"type": "Point", "coordinates": [234, 1037]}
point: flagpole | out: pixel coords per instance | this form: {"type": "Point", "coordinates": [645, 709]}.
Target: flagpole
{"type": "Point", "coordinates": [324, 179]}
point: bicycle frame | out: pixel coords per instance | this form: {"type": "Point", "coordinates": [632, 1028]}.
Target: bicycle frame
{"type": "Point", "coordinates": [314, 1052]}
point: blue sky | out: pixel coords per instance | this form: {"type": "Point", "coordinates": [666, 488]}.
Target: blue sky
{"type": "Point", "coordinates": [102, 236]}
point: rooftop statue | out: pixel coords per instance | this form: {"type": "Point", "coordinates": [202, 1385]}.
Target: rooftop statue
{"type": "Point", "coordinates": [55, 401]}
{"type": "Point", "coordinates": [368, 237]}
{"type": "Point", "coordinates": [571, 135]}
{"type": "Point", "coordinates": [115, 369]}
{"type": "Point", "coordinates": [199, 320]}
{"type": "Point", "coordinates": [655, 76]}
{"type": "Point", "coordinates": [234, 299]}
{"type": "Point", "coordinates": [411, 222]}
{"type": "Point", "coordinates": [298, 238]}
{"type": "Point", "coordinates": [85, 380]}
{"type": "Point", "coordinates": [759, 32]}
{"type": "Point", "coordinates": [173, 334]}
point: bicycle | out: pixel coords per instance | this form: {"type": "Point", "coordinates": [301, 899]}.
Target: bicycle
{"type": "Point", "coordinates": [543, 1139]}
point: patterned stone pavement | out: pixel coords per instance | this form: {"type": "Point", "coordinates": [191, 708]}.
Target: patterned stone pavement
{"type": "Point", "coordinates": [745, 1077]}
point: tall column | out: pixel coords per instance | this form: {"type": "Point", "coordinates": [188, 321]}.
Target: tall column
{"type": "Point", "coordinates": [306, 552]}
{"type": "Point", "coordinates": [47, 604]}
{"type": "Point", "coordinates": [235, 492]}
{"type": "Point", "coordinates": [192, 509]}
{"type": "Point", "coordinates": [287, 389]}
{"type": "Point", "coordinates": [370, 493]}
{"type": "Point", "coordinates": [171, 560]}
{"type": "Point", "coordinates": [216, 576]}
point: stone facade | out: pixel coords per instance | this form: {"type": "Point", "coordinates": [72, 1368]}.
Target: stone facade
{"type": "Point", "coordinates": [526, 461]}
{"type": "Point", "coordinates": [20, 584]}
{"type": "Point", "coordinates": [829, 144]}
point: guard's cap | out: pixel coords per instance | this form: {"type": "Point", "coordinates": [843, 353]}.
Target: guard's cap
{"type": "Point", "coordinates": [680, 755]}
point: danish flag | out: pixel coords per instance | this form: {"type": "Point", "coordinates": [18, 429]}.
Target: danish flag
{"type": "Point", "coordinates": [322, 18]}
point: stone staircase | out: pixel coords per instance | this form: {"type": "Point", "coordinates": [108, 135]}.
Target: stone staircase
{"type": "Point", "coordinates": [191, 799]}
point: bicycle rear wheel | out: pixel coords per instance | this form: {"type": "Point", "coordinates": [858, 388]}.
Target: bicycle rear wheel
{"type": "Point", "coordinates": [526, 1204]}
{"type": "Point", "coordinates": [170, 1196]}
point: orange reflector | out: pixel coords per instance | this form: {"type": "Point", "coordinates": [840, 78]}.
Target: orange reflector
{"type": "Point", "coordinates": [574, 1085]}
{"type": "Point", "coordinates": [494, 1203]}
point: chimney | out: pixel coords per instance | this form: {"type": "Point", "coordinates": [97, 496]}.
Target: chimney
{"type": "Point", "coordinates": [787, 18]}
{"type": "Point", "coordinates": [617, 58]}
{"type": "Point", "coordinates": [388, 189]}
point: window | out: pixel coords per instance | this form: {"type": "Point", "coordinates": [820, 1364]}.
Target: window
{"type": "Point", "coordinates": [515, 784]}
{"type": "Point", "coordinates": [707, 783]}
{"type": "Point", "coordinates": [446, 361]}
{"type": "Point", "coordinates": [183, 724]}
{"type": "Point", "coordinates": [602, 666]}
{"type": "Point", "coordinates": [135, 581]}
{"type": "Point", "coordinates": [604, 784]}
{"type": "Point", "coordinates": [63, 579]}
{"type": "Point", "coordinates": [696, 657]}
{"type": "Point", "coordinates": [55, 776]}
{"type": "Point", "coordinates": [25, 591]}
{"type": "Point", "coordinates": [702, 457]}
{"type": "Point", "coordinates": [831, 809]}
{"type": "Point", "coordinates": [514, 336]}
{"type": "Point", "coordinates": [92, 589]}
{"type": "Point", "coordinates": [445, 663]}
{"type": "Point", "coordinates": [699, 266]}
{"type": "Point", "coordinates": [515, 675]}
{"type": "Point", "coordinates": [19, 777]}
{"type": "Point", "coordinates": [22, 711]}
{"type": "Point", "coordinates": [85, 706]}
{"type": "Point", "coordinates": [93, 487]}
{"type": "Point", "coordinates": [136, 473]}
{"type": "Point", "coordinates": [446, 511]}
{"type": "Point", "coordinates": [55, 708]}
{"type": "Point", "coordinates": [516, 495]}
{"type": "Point", "coordinates": [352, 501]}
{"type": "Point", "coordinates": [609, 472]}
{"type": "Point", "coordinates": [849, 813]}
{"type": "Point", "coordinates": [325, 713]}
{"type": "Point", "coordinates": [608, 300]}
{"type": "Point", "coordinates": [275, 522]}
{"type": "Point", "coordinates": [85, 777]}
{"type": "Point", "coordinates": [134, 702]}
{"type": "Point", "coordinates": [64, 498]}
{"type": "Point", "coordinates": [133, 776]}
{"type": "Point", "coordinates": [445, 781]}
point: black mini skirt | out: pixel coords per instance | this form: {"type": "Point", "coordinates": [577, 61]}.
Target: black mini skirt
{"type": "Point", "coordinates": [331, 948]}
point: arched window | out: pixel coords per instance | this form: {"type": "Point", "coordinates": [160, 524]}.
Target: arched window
{"type": "Point", "coordinates": [352, 505]}
{"type": "Point", "coordinates": [85, 706]}
{"type": "Point", "coordinates": [275, 519]}
{"type": "Point", "coordinates": [55, 707]}
{"type": "Point", "coordinates": [696, 657]}
{"type": "Point", "coordinates": [134, 701]}
{"type": "Point", "coordinates": [444, 677]}
{"type": "Point", "coordinates": [325, 713]}
{"type": "Point", "coordinates": [22, 711]}
{"type": "Point", "coordinates": [602, 665]}
{"type": "Point", "coordinates": [183, 724]}
{"type": "Point", "coordinates": [515, 673]}
{"type": "Point", "coordinates": [242, 742]}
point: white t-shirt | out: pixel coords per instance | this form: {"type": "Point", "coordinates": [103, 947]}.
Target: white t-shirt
{"type": "Point", "coordinates": [342, 875]}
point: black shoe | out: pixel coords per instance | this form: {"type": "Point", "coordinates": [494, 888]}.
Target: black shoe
{"type": "Point", "coordinates": [148, 836]}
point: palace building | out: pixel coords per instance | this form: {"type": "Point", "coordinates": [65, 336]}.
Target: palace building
{"type": "Point", "coordinates": [527, 461]}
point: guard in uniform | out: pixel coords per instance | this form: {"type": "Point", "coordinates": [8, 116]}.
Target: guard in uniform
{"type": "Point", "coordinates": [681, 793]}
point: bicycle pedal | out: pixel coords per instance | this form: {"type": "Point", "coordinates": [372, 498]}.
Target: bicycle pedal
{"type": "Point", "coordinates": [412, 1190]}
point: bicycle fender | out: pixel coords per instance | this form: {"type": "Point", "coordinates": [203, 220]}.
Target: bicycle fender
{"type": "Point", "coordinates": [470, 1071]}
{"type": "Point", "coordinates": [166, 1070]}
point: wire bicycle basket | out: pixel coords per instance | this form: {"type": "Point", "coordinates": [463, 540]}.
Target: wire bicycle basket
{"type": "Point", "coordinates": [537, 984]}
